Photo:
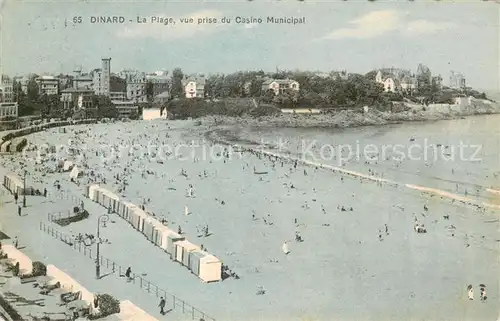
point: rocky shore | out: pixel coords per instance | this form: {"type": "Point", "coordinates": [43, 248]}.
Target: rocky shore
{"type": "Point", "coordinates": [356, 118]}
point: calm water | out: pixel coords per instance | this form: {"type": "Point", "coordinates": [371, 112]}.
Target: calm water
{"type": "Point", "coordinates": [460, 156]}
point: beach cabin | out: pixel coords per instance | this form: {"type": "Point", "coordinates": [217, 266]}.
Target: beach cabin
{"type": "Point", "coordinates": [182, 250]}
{"type": "Point", "coordinates": [109, 199]}
{"type": "Point", "coordinates": [15, 184]}
{"type": "Point", "coordinates": [149, 229]}
{"type": "Point", "coordinates": [206, 266]}
{"type": "Point", "coordinates": [92, 192]}
{"type": "Point", "coordinates": [137, 218]}
{"type": "Point", "coordinates": [167, 238]}
{"type": "Point", "coordinates": [128, 210]}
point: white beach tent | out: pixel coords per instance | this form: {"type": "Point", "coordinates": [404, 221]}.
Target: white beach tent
{"type": "Point", "coordinates": [68, 165]}
{"type": "Point", "coordinates": [75, 172]}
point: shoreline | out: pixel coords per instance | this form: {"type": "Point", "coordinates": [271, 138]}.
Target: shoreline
{"type": "Point", "coordinates": [229, 138]}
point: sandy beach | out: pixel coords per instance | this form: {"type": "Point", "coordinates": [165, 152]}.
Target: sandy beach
{"type": "Point", "coordinates": [367, 263]}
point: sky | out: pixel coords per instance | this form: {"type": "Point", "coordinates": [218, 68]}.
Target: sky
{"type": "Point", "coordinates": [359, 36]}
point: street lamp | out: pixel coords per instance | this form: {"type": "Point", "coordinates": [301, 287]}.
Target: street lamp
{"type": "Point", "coordinates": [101, 219]}
{"type": "Point", "coordinates": [24, 188]}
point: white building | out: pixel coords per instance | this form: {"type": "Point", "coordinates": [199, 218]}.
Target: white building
{"type": "Point", "coordinates": [8, 110]}
{"type": "Point", "coordinates": [280, 85]}
{"type": "Point", "coordinates": [76, 98]}
{"type": "Point", "coordinates": [126, 108]}
{"type": "Point", "coordinates": [396, 79]}
{"type": "Point", "coordinates": [161, 83]}
{"type": "Point", "coordinates": [82, 81]}
{"type": "Point", "coordinates": [48, 85]}
{"type": "Point", "coordinates": [6, 89]}
{"type": "Point", "coordinates": [118, 96]}
{"type": "Point", "coordinates": [136, 85]}
{"type": "Point", "coordinates": [101, 78]}
{"type": "Point", "coordinates": [457, 80]}
{"type": "Point", "coordinates": [391, 85]}
{"type": "Point", "coordinates": [194, 86]}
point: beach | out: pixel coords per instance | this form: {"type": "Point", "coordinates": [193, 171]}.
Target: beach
{"type": "Point", "coordinates": [359, 264]}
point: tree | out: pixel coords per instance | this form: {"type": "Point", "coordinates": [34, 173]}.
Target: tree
{"type": "Point", "coordinates": [17, 92]}
{"type": "Point", "coordinates": [33, 90]}
{"type": "Point", "coordinates": [177, 88]}
{"type": "Point", "coordinates": [104, 106]}
{"type": "Point", "coordinates": [268, 96]}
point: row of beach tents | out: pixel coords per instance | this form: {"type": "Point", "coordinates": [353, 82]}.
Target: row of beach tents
{"type": "Point", "coordinates": [15, 184]}
{"type": "Point", "coordinates": [6, 140]}
{"type": "Point", "coordinates": [201, 263]}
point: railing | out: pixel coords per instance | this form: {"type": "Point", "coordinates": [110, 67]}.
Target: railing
{"type": "Point", "coordinates": [144, 284]}
{"type": "Point", "coordinates": [62, 195]}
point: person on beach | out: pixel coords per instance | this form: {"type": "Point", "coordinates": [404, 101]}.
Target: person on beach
{"type": "Point", "coordinates": [19, 210]}
{"type": "Point", "coordinates": [285, 249]}
{"type": "Point", "coordinates": [162, 306]}
{"type": "Point", "coordinates": [44, 192]}
{"type": "Point", "coordinates": [470, 293]}
{"type": "Point", "coordinates": [16, 242]}
{"type": "Point", "coordinates": [128, 272]}
{"type": "Point", "coordinates": [16, 197]}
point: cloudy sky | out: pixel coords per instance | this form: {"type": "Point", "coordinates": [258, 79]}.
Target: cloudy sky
{"type": "Point", "coordinates": [358, 36]}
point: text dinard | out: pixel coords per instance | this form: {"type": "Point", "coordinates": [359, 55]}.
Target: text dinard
{"type": "Point", "coordinates": [205, 20]}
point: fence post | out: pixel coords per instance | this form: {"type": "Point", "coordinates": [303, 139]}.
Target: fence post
{"type": "Point", "coordinates": [113, 266]}
{"type": "Point", "coordinates": [156, 291]}
{"type": "Point", "coordinates": [149, 286]}
{"type": "Point", "coordinates": [183, 307]}
{"type": "Point", "coordinates": [174, 301]}
{"type": "Point", "coordinates": [192, 313]}
{"type": "Point", "coordinates": [84, 250]}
